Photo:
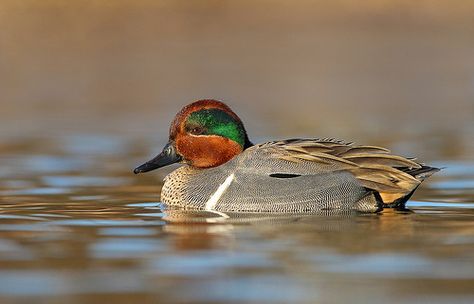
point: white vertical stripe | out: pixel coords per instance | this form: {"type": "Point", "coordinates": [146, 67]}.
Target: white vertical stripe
{"type": "Point", "coordinates": [222, 217]}
{"type": "Point", "coordinates": [211, 203]}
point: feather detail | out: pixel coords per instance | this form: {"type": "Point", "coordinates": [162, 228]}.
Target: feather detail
{"type": "Point", "coordinates": [333, 158]}
{"type": "Point", "coordinates": [371, 184]}
{"type": "Point", "coordinates": [374, 167]}
{"type": "Point", "coordinates": [382, 159]}
{"type": "Point", "coordinates": [365, 149]}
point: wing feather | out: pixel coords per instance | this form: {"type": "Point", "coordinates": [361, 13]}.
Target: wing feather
{"type": "Point", "coordinates": [373, 166]}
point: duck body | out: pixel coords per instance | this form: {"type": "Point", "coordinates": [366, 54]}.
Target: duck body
{"type": "Point", "coordinates": [259, 181]}
{"type": "Point", "coordinates": [288, 176]}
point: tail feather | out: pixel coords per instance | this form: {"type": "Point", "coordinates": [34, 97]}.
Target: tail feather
{"type": "Point", "coordinates": [420, 173]}
{"type": "Point", "coordinates": [399, 201]}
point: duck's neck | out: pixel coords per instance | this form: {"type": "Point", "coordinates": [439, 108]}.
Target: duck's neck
{"type": "Point", "coordinates": [247, 143]}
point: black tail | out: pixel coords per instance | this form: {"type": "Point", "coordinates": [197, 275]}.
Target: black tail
{"type": "Point", "coordinates": [420, 174]}
{"type": "Point", "coordinates": [399, 204]}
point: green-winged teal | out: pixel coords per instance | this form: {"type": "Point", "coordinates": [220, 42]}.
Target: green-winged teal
{"type": "Point", "coordinates": [224, 171]}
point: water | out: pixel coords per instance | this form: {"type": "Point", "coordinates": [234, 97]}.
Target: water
{"type": "Point", "coordinates": [77, 226]}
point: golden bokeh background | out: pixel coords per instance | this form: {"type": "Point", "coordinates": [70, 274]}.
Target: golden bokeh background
{"type": "Point", "coordinates": [349, 69]}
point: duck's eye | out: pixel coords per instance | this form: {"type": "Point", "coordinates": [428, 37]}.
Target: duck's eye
{"type": "Point", "coordinates": [197, 130]}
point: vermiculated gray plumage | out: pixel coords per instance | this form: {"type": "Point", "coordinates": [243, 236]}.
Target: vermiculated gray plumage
{"type": "Point", "coordinates": [300, 175]}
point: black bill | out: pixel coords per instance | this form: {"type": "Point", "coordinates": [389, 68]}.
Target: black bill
{"type": "Point", "coordinates": [167, 157]}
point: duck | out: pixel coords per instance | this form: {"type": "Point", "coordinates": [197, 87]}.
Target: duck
{"type": "Point", "coordinates": [223, 171]}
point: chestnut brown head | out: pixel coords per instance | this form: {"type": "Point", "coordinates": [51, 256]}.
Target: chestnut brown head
{"type": "Point", "coordinates": [204, 134]}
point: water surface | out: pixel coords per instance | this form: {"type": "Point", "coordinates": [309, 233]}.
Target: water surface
{"type": "Point", "coordinates": [77, 226]}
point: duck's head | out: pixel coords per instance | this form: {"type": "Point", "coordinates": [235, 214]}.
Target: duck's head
{"type": "Point", "coordinates": [204, 134]}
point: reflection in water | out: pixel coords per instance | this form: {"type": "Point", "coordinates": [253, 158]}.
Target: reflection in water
{"type": "Point", "coordinates": [80, 232]}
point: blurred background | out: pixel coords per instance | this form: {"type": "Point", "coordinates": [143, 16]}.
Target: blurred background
{"type": "Point", "coordinates": [376, 70]}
